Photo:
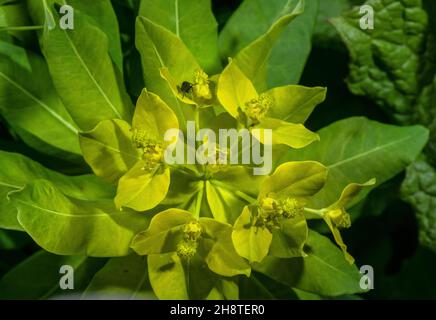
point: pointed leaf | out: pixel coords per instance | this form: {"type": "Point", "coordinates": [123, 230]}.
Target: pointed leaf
{"type": "Point", "coordinates": [288, 241]}
{"type": "Point", "coordinates": [109, 149]}
{"type": "Point", "coordinates": [193, 22]}
{"type": "Point", "coordinates": [254, 57]}
{"type": "Point", "coordinates": [153, 115]}
{"type": "Point", "coordinates": [235, 89]}
{"type": "Point", "coordinates": [72, 226]}
{"type": "Point", "coordinates": [29, 101]}
{"type": "Point", "coordinates": [141, 189]}
{"type": "Point", "coordinates": [123, 278]}
{"type": "Point", "coordinates": [163, 233]}
{"type": "Point", "coordinates": [71, 56]}
{"type": "Point", "coordinates": [22, 170]}
{"type": "Point", "coordinates": [295, 180]}
{"type": "Point", "coordinates": [324, 271]}
{"type": "Point", "coordinates": [38, 276]}
{"type": "Point", "coordinates": [250, 242]}
{"type": "Point", "coordinates": [379, 151]}
{"type": "Point", "coordinates": [295, 103]}
{"type": "Point", "coordinates": [159, 48]}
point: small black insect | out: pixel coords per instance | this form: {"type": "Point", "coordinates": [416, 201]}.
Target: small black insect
{"type": "Point", "coordinates": [185, 88]}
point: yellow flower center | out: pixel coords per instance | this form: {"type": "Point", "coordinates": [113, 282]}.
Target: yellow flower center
{"type": "Point", "coordinates": [201, 87]}
{"type": "Point", "coordinates": [221, 161]}
{"type": "Point", "coordinates": [340, 218]}
{"type": "Point", "coordinates": [192, 231]}
{"type": "Point", "coordinates": [291, 208]}
{"type": "Point", "coordinates": [152, 150]}
{"type": "Point", "coordinates": [272, 211]}
{"type": "Point", "coordinates": [187, 249]}
{"type": "Point", "coordinates": [256, 109]}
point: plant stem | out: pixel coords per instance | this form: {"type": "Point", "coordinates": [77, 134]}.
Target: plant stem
{"type": "Point", "coordinates": [21, 28]}
{"type": "Point", "coordinates": [313, 213]}
{"type": "Point", "coordinates": [183, 170]}
{"type": "Point", "coordinates": [199, 201]}
{"type": "Point", "coordinates": [234, 190]}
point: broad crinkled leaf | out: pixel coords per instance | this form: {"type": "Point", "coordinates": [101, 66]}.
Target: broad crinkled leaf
{"type": "Point", "coordinates": [419, 189]}
{"type": "Point", "coordinates": [193, 22]}
{"type": "Point", "coordinates": [22, 170]}
{"type": "Point", "coordinates": [69, 226]}
{"type": "Point", "coordinates": [387, 63]}
{"type": "Point", "coordinates": [109, 149]}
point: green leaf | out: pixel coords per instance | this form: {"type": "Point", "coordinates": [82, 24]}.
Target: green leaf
{"type": "Point", "coordinates": [153, 116]}
{"type": "Point", "coordinates": [167, 276]}
{"type": "Point", "coordinates": [224, 290]}
{"type": "Point", "coordinates": [159, 48]}
{"type": "Point", "coordinates": [174, 279]}
{"type": "Point", "coordinates": [295, 180]}
{"type": "Point", "coordinates": [109, 149]}
{"type": "Point", "coordinates": [90, 91]}
{"type": "Point", "coordinates": [123, 278]}
{"type": "Point", "coordinates": [295, 103]}
{"type": "Point", "coordinates": [418, 189]}
{"type": "Point", "coordinates": [193, 22]}
{"type": "Point", "coordinates": [29, 101]}
{"type": "Point", "coordinates": [350, 192]}
{"type": "Point", "coordinates": [98, 13]}
{"type": "Point", "coordinates": [182, 189]}
{"type": "Point", "coordinates": [325, 35]}
{"type": "Point", "coordinates": [223, 203]}
{"type": "Point", "coordinates": [22, 170]}
{"type": "Point", "coordinates": [94, 228]}
{"type": "Point", "coordinates": [324, 271]}
{"type": "Point", "coordinates": [288, 241]}
{"type": "Point", "coordinates": [288, 57]}
{"type": "Point", "coordinates": [250, 242]}
{"type": "Point", "coordinates": [235, 89]}
{"type": "Point", "coordinates": [14, 14]}
{"type": "Point", "coordinates": [253, 58]}
{"type": "Point", "coordinates": [141, 189]}
{"type": "Point", "coordinates": [163, 233]}
{"type": "Point", "coordinates": [13, 240]}
{"type": "Point", "coordinates": [294, 135]}
{"type": "Point", "coordinates": [38, 277]}
{"type": "Point", "coordinates": [222, 257]}
{"type": "Point", "coordinates": [379, 151]}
